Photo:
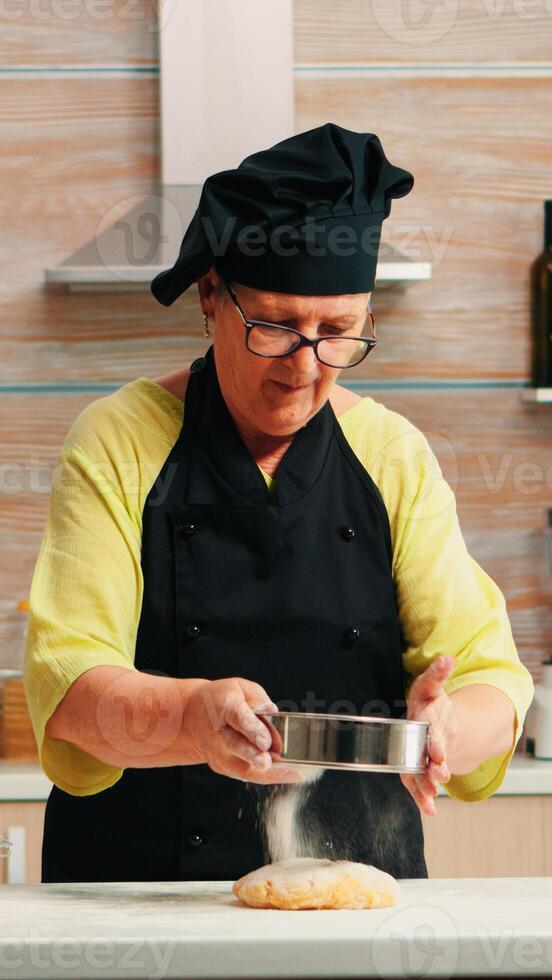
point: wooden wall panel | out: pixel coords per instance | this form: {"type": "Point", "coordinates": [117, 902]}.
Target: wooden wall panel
{"type": "Point", "coordinates": [481, 152]}
{"type": "Point", "coordinates": [480, 32]}
{"type": "Point", "coordinates": [74, 150]}
{"type": "Point", "coordinates": [49, 334]}
{"type": "Point", "coordinates": [78, 134]}
{"type": "Point", "coordinates": [79, 118]}
{"type": "Point", "coordinates": [125, 32]}
{"type": "Point", "coordinates": [475, 212]}
{"type": "Point", "coordinates": [53, 33]}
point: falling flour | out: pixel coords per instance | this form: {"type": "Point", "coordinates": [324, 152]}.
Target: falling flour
{"type": "Point", "coordinates": [286, 837]}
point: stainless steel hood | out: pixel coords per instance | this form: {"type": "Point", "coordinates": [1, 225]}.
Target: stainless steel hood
{"type": "Point", "coordinates": [212, 116]}
{"type": "Point", "coordinates": [129, 253]}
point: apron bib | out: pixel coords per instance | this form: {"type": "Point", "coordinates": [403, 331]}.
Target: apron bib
{"type": "Point", "coordinates": [297, 595]}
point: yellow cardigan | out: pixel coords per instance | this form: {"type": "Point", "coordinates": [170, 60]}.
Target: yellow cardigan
{"type": "Point", "coordinates": [87, 587]}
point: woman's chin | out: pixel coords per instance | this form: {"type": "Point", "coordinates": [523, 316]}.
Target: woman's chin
{"type": "Point", "coordinates": [285, 421]}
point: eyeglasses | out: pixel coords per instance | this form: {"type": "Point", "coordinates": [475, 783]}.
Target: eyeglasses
{"type": "Point", "coordinates": [272, 340]}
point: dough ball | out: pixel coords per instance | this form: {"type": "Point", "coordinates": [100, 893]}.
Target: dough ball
{"type": "Point", "coordinates": [317, 883]}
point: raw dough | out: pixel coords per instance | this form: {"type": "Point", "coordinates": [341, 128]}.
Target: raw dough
{"type": "Point", "coordinates": [316, 883]}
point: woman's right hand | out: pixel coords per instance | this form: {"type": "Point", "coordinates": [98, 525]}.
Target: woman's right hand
{"type": "Point", "coordinates": [220, 724]}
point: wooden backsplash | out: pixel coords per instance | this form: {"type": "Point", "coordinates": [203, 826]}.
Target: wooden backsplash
{"type": "Point", "coordinates": [463, 101]}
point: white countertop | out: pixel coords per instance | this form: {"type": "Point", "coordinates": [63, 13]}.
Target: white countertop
{"type": "Point", "coordinates": [26, 780]}
{"type": "Point", "coordinates": [455, 927]}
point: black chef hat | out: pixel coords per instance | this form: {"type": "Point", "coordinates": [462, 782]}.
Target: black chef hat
{"type": "Point", "coordinates": [303, 216]}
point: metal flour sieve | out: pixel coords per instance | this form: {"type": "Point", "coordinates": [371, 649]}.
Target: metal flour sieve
{"type": "Point", "coordinates": [361, 742]}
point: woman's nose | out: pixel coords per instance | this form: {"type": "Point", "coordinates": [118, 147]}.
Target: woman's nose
{"type": "Point", "coordinates": [304, 359]}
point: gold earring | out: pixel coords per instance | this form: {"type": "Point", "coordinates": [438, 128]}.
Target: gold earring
{"type": "Point", "coordinates": [206, 331]}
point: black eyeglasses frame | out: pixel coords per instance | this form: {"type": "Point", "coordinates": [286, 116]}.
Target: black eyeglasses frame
{"type": "Point", "coordinates": [250, 322]}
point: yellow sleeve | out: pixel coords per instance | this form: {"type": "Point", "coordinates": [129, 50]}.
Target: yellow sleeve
{"type": "Point", "coordinates": [85, 602]}
{"type": "Point", "coordinates": [449, 605]}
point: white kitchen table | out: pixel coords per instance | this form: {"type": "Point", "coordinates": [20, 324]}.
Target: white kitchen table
{"type": "Point", "coordinates": [456, 927]}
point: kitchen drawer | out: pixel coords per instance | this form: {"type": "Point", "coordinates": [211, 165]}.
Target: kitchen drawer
{"type": "Point", "coordinates": [502, 836]}
{"type": "Point", "coordinates": [23, 824]}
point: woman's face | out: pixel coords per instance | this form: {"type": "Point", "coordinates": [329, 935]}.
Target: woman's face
{"type": "Point", "coordinates": [276, 396]}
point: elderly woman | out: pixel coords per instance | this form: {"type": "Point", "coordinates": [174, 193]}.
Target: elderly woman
{"type": "Point", "coordinates": [248, 532]}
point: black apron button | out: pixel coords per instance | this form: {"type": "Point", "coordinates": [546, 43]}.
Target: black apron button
{"type": "Point", "coordinates": [188, 529]}
{"type": "Point", "coordinates": [196, 840]}
{"type": "Point", "coordinates": [193, 631]}
{"type": "Point", "coordinates": [353, 633]}
{"type": "Point", "coordinates": [347, 533]}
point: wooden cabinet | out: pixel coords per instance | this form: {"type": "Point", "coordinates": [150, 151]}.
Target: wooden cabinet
{"type": "Point", "coordinates": [502, 836]}
{"type": "Point", "coordinates": [23, 824]}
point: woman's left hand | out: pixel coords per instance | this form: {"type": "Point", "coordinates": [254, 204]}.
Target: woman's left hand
{"type": "Point", "coordinates": [428, 701]}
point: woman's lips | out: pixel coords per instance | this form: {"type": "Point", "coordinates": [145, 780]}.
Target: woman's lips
{"type": "Point", "coordinates": [284, 387]}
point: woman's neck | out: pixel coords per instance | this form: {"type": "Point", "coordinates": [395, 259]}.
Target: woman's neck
{"type": "Point", "coordinates": [270, 461]}
{"type": "Point", "coordinates": [267, 451]}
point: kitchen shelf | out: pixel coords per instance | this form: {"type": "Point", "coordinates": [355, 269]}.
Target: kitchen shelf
{"type": "Point", "coordinates": [539, 396]}
{"type": "Point", "coordinates": [126, 255]}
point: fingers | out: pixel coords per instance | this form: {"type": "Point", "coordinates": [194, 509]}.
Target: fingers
{"type": "Point", "coordinates": [431, 684]}
{"type": "Point", "coordinates": [276, 743]}
{"type": "Point", "coordinates": [275, 774]}
{"type": "Point", "coordinates": [239, 741]}
{"type": "Point", "coordinates": [237, 714]}
{"type": "Point", "coordinates": [430, 780]}
{"type": "Point", "coordinates": [241, 747]}
{"type": "Point", "coordinates": [246, 762]}
{"type": "Point", "coordinates": [425, 786]}
{"type": "Point", "coordinates": [424, 800]}
{"type": "Point", "coordinates": [436, 748]}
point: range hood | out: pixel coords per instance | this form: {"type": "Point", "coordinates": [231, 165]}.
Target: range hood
{"type": "Point", "coordinates": [120, 258]}
{"type": "Point", "coordinates": [226, 70]}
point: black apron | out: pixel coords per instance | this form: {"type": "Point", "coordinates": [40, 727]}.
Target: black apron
{"type": "Point", "coordinates": [297, 595]}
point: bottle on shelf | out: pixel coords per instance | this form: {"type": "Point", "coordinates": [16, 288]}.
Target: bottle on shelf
{"type": "Point", "coordinates": [541, 308]}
